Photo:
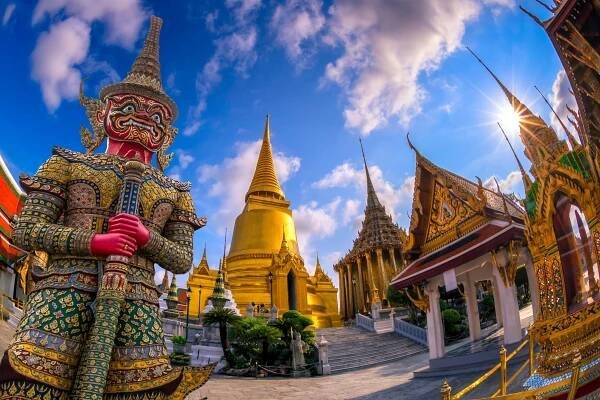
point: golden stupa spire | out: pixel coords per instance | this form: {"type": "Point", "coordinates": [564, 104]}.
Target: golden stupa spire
{"type": "Point", "coordinates": [524, 175]}
{"type": "Point", "coordinates": [265, 180]}
{"type": "Point", "coordinates": [284, 244]}
{"type": "Point", "coordinates": [318, 267]}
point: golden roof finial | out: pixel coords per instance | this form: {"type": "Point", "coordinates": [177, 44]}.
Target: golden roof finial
{"type": "Point", "coordinates": [524, 175]}
{"type": "Point", "coordinates": [372, 200]}
{"type": "Point", "coordinates": [284, 245]}
{"type": "Point", "coordinates": [574, 143]}
{"type": "Point", "coordinates": [539, 139]}
{"type": "Point", "coordinates": [265, 179]}
{"type": "Point", "coordinates": [204, 252]}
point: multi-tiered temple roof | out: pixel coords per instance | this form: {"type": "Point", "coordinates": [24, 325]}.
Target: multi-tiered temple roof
{"type": "Point", "coordinates": [378, 229]}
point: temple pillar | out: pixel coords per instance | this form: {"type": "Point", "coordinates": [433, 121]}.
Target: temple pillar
{"type": "Point", "coordinates": [342, 291]}
{"type": "Point", "coordinates": [533, 288]}
{"type": "Point", "coordinates": [393, 258]}
{"type": "Point", "coordinates": [384, 280]}
{"type": "Point", "coordinates": [361, 287]}
{"type": "Point", "coordinates": [435, 327]}
{"type": "Point", "coordinates": [352, 292]}
{"type": "Point", "coordinates": [511, 319]}
{"type": "Point", "coordinates": [472, 310]}
{"type": "Point", "coordinates": [497, 304]}
{"type": "Point", "coordinates": [374, 295]}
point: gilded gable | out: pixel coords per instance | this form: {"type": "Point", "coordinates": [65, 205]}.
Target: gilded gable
{"type": "Point", "coordinates": [447, 211]}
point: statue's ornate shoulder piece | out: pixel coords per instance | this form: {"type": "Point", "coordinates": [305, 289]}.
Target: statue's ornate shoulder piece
{"type": "Point", "coordinates": [164, 180]}
{"type": "Point", "coordinates": [186, 212]}
{"type": "Point", "coordinates": [51, 177]}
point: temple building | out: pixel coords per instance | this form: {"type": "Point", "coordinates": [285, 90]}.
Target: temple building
{"type": "Point", "coordinates": [11, 201]}
{"type": "Point", "coordinates": [561, 223]}
{"type": "Point", "coordinates": [201, 282]}
{"type": "Point", "coordinates": [376, 256]}
{"type": "Point", "coordinates": [461, 234]}
{"type": "Point", "coordinates": [264, 265]}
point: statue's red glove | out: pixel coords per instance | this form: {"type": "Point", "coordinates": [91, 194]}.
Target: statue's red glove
{"type": "Point", "coordinates": [106, 244]}
{"type": "Point", "coordinates": [130, 225]}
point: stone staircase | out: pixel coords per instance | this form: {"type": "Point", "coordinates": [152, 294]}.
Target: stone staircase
{"type": "Point", "coordinates": [15, 315]}
{"type": "Point", "coordinates": [354, 348]}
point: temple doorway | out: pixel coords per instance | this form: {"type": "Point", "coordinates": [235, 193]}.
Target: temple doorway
{"type": "Point", "coordinates": [574, 245]}
{"type": "Point", "coordinates": [291, 289]}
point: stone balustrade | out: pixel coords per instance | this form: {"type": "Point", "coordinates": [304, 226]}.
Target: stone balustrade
{"type": "Point", "coordinates": [362, 321]}
{"type": "Point", "coordinates": [410, 331]}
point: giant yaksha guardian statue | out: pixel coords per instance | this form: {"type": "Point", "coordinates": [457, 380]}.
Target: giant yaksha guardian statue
{"type": "Point", "coordinates": [91, 328]}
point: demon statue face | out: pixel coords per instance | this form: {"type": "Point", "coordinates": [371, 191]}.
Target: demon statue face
{"type": "Point", "coordinates": [134, 114]}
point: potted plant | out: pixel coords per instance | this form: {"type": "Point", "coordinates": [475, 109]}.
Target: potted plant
{"type": "Point", "coordinates": [178, 344]}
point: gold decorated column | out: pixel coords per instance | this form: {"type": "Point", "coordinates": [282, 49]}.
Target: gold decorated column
{"type": "Point", "coordinates": [342, 291]}
{"type": "Point", "coordinates": [393, 258]}
{"type": "Point", "coordinates": [383, 273]}
{"type": "Point", "coordinates": [352, 301]}
{"type": "Point", "coordinates": [361, 286]}
{"type": "Point", "coordinates": [374, 291]}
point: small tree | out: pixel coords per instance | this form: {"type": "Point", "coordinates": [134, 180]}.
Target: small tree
{"type": "Point", "coordinates": [253, 338]}
{"type": "Point", "coordinates": [293, 321]}
{"type": "Point", "coordinates": [223, 317]}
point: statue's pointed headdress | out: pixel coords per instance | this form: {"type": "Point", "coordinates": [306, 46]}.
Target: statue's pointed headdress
{"type": "Point", "coordinates": [143, 79]}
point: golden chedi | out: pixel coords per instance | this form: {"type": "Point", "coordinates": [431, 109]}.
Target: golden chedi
{"type": "Point", "coordinates": [264, 265]}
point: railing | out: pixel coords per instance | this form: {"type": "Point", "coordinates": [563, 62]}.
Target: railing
{"type": "Point", "coordinates": [16, 303]}
{"type": "Point", "coordinates": [410, 331]}
{"type": "Point", "coordinates": [502, 366]}
{"type": "Point", "coordinates": [365, 322]}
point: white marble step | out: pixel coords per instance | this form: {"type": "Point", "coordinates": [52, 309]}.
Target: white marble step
{"type": "Point", "coordinates": [353, 348]}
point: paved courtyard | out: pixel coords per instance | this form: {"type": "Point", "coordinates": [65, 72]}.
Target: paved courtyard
{"type": "Point", "coordinates": [389, 381]}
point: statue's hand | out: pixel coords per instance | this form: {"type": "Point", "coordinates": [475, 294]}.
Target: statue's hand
{"type": "Point", "coordinates": [130, 225]}
{"type": "Point", "coordinates": [106, 244]}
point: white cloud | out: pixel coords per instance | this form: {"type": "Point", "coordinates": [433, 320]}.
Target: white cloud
{"type": "Point", "coordinates": [56, 53]}
{"type": "Point", "coordinates": [386, 45]}
{"type": "Point", "coordinates": [124, 18]}
{"type": "Point", "coordinates": [392, 197]}
{"type": "Point", "coordinates": [64, 47]}
{"type": "Point", "coordinates": [8, 12]}
{"type": "Point", "coordinates": [235, 48]}
{"type": "Point", "coordinates": [295, 23]}
{"type": "Point", "coordinates": [229, 180]}
{"type": "Point", "coordinates": [184, 159]}
{"type": "Point", "coordinates": [351, 212]}
{"type": "Point", "coordinates": [314, 222]}
{"type": "Point", "coordinates": [561, 97]}
{"type": "Point", "coordinates": [512, 183]}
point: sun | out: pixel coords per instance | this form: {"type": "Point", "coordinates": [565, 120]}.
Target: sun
{"type": "Point", "coordinates": [509, 119]}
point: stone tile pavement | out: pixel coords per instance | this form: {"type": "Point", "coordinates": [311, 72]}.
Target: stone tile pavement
{"type": "Point", "coordinates": [389, 381]}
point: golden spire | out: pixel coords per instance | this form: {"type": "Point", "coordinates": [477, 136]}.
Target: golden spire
{"type": "Point", "coordinates": [574, 143]}
{"type": "Point", "coordinates": [524, 175]}
{"type": "Point", "coordinates": [318, 267]}
{"type": "Point", "coordinates": [539, 139]}
{"type": "Point", "coordinates": [372, 200]}
{"type": "Point", "coordinates": [284, 244]}
{"type": "Point", "coordinates": [164, 286]}
{"type": "Point", "coordinates": [265, 180]}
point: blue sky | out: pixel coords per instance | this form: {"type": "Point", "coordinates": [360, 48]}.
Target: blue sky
{"type": "Point", "coordinates": [328, 72]}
